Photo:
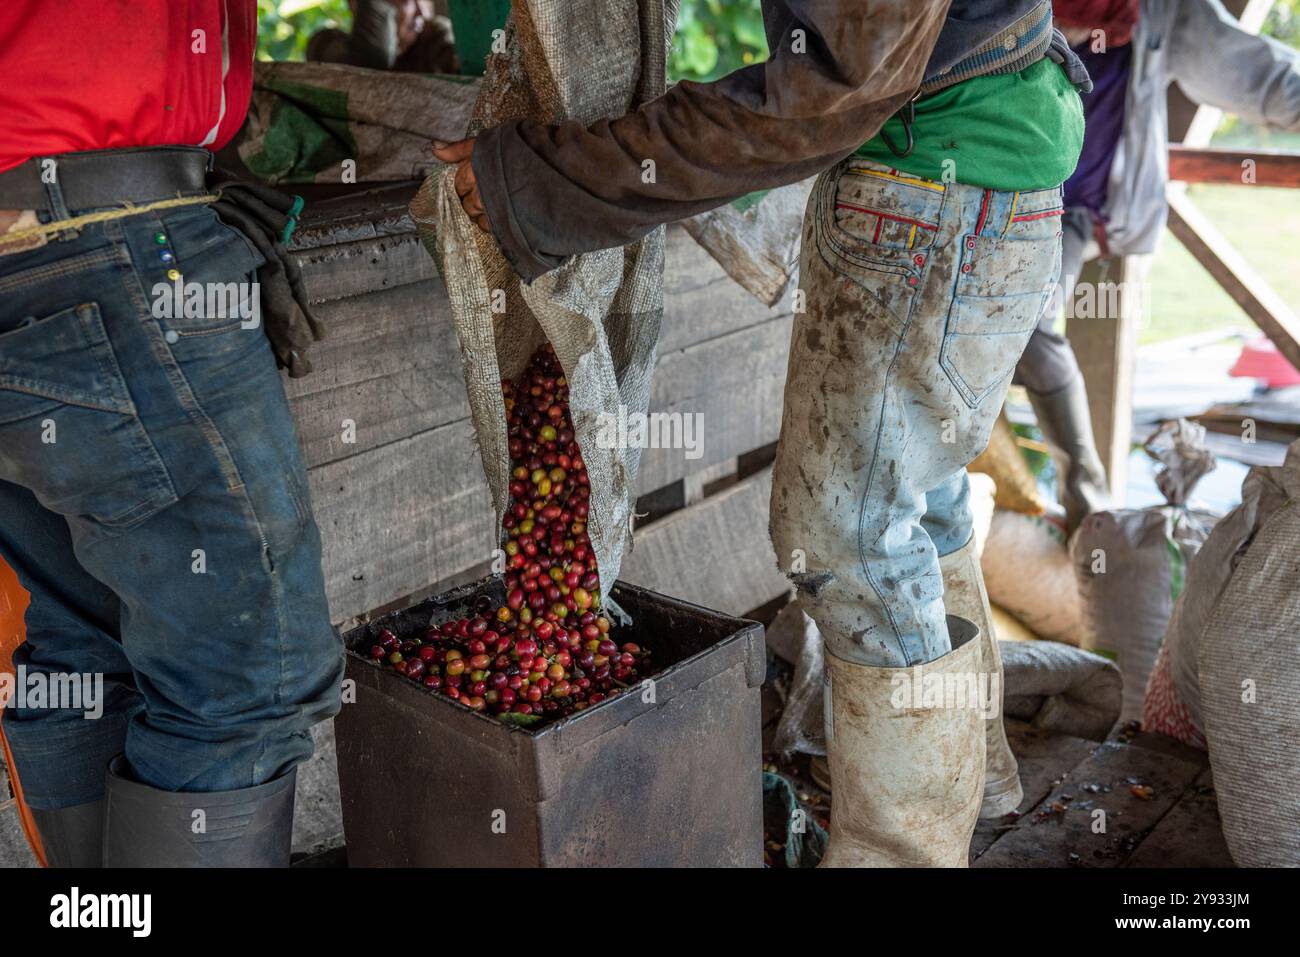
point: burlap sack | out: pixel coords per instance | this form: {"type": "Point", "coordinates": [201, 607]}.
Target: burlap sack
{"type": "Point", "coordinates": [1060, 689]}
{"type": "Point", "coordinates": [1232, 656]}
{"type": "Point", "coordinates": [564, 59]}
{"type": "Point", "coordinates": [307, 120]}
{"type": "Point", "coordinates": [1027, 570]}
{"type": "Point", "coordinates": [1130, 564]}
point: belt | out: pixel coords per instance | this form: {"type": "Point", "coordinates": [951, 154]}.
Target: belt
{"type": "Point", "coordinates": [100, 178]}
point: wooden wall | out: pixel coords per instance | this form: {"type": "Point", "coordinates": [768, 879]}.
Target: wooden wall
{"type": "Point", "coordinates": [404, 507]}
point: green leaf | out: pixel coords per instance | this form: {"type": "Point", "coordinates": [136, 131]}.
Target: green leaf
{"type": "Point", "coordinates": [519, 720]}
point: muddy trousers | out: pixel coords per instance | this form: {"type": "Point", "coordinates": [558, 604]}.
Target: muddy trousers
{"type": "Point", "coordinates": [916, 300]}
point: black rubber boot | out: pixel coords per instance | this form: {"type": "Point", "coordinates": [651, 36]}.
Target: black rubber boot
{"type": "Point", "coordinates": [146, 827]}
{"type": "Point", "coordinates": [72, 836]}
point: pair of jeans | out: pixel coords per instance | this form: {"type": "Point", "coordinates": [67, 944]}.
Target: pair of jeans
{"type": "Point", "coordinates": [1048, 364]}
{"type": "Point", "coordinates": [154, 502]}
{"type": "Point", "coordinates": [916, 300]}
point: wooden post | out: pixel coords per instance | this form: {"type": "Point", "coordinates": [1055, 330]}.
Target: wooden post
{"type": "Point", "coordinates": [1104, 339]}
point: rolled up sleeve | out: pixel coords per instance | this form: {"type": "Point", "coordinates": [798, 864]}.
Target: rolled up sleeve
{"type": "Point", "coordinates": [837, 71]}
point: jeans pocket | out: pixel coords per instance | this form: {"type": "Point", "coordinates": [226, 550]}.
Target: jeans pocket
{"type": "Point", "coordinates": [877, 206]}
{"type": "Point", "coordinates": [1002, 288]}
{"type": "Point", "coordinates": [192, 293]}
{"type": "Point", "coordinates": [69, 430]}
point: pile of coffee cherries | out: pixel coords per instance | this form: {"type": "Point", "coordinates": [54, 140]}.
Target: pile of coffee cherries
{"type": "Point", "coordinates": [548, 651]}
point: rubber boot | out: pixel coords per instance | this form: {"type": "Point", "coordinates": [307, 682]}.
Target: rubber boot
{"type": "Point", "coordinates": [146, 827]}
{"type": "Point", "coordinates": [1067, 426]}
{"type": "Point", "coordinates": [72, 836]}
{"type": "Point", "coordinates": [907, 779]}
{"type": "Point", "coordinates": [964, 595]}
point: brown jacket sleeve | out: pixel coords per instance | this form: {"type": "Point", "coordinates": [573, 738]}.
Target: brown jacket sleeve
{"type": "Point", "coordinates": [838, 69]}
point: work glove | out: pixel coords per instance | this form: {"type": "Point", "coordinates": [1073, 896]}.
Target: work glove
{"type": "Point", "coordinates": [268, 218]}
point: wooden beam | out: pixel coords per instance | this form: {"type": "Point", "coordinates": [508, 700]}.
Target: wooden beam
{"type": "Point", "coordinates": [1105, 344]}
{"type": "Point", "coordinates": [1235, 167]}
{"type": "Point", "coordinates": [1236, 276]}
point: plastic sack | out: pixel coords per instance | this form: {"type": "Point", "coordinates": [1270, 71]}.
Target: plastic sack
{"type": "Point", "coordinates": [584, 60]}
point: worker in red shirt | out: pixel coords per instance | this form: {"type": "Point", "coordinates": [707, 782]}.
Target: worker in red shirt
{"type": "Point", "coordinates": [153, 499]}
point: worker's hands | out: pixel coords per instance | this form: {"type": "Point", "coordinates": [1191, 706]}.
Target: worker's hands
{"type": "Point", "coordinates": [460, 153]}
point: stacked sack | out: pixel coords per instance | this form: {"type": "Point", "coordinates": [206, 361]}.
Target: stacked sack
{"type": "Point", "coordinates": [1228, 677]}
{"type": "Point", "coordinates": [1131, 564]}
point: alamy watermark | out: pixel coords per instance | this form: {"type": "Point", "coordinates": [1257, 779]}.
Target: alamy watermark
{"type": "Point", "coordinates": [916, 688]}
{"type": "Point", "coordinates": [69, 691]}
{"type": "Point", "coordinates": [208, 300]}
{"type": "Point", "coordinates": [1101, 300]}
{"type": "Point", "coordinates": [651, 430]}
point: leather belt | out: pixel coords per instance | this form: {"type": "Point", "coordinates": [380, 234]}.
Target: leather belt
{"type": "Point", "coordinates": [103, 178]}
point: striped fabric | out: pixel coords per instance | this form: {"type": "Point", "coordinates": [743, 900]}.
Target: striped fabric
{"type": "Point", "coordinates": [1020, 45]}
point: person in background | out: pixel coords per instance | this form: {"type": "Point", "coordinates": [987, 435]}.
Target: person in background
{"type": "Point", "coordinates": [1115, 201]}
{"type": "Point", "coordinates": [942, 133]}
{"type": "Point", "coordinates": [153, 499]}
{"type": "Point", "coordinates": [402, 35]}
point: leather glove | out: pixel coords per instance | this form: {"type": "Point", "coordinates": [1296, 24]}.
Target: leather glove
{"type": "Point", "coordinates": [268, 218]}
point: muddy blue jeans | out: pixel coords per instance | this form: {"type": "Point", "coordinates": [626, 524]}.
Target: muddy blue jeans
{"type": "Point", "coordinates": [154, 502]}
{"type": "Point", "coordinates": [918, 299]}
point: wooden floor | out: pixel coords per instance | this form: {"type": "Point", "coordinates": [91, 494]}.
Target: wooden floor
{"type": "Point", "coordinates": [1136, 800]}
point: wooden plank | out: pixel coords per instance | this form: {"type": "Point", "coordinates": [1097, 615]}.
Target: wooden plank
{"type": "Point", "coordinates": [734, 383]}
{"type": "Point", "coordinates": [384, 366]}
{"type": "Point", "coordinates": [1236, 276]}
{"type": "Point", "coordinates": [699, 484]}
{"type": "Point", "coordinates": [1190, 835]}
{"type": "Point", "coordinates": [1045, 761]}
{"type": "Point", "coordinates": [1106, 349]}
{"type": "Point", "coordinates": [700, 300]}
{"type": "Point", "coordinates": [716, 553]}
{"type": "Point", "coordinates": [1279, 168]}
{"type": "Point", "coordinates": [401, 517]}
{"type": "Point", "coordinates": [1060, 832]}
{"type": "Point", "coordinates": [341, 270]}
{"type": "Point", "coordinates": [364, 214]}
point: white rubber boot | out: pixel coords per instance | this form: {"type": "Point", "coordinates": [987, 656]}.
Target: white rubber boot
{"type": "Point", "coordinates": [964, 596]}
{"type": "Point", "coordinates": [908, 774]}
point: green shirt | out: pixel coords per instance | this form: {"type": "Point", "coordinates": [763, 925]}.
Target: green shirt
{"type": "Point", "coordinates": [1010, 131]}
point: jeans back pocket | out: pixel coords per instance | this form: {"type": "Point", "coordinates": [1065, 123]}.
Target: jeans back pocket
{"type": "Point", "coordinates": [69, 430]}
{"type": "Point", "coordinates": [1003, 285]}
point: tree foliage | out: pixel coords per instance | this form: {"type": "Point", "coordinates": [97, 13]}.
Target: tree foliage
{"type": "Point", "coordinates": [713, 37]}
{"type": "Point", "coordinates": [285, 26]}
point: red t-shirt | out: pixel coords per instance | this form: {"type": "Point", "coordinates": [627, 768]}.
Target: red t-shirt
{"type": "Point", "coordinates": [101, 74]}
